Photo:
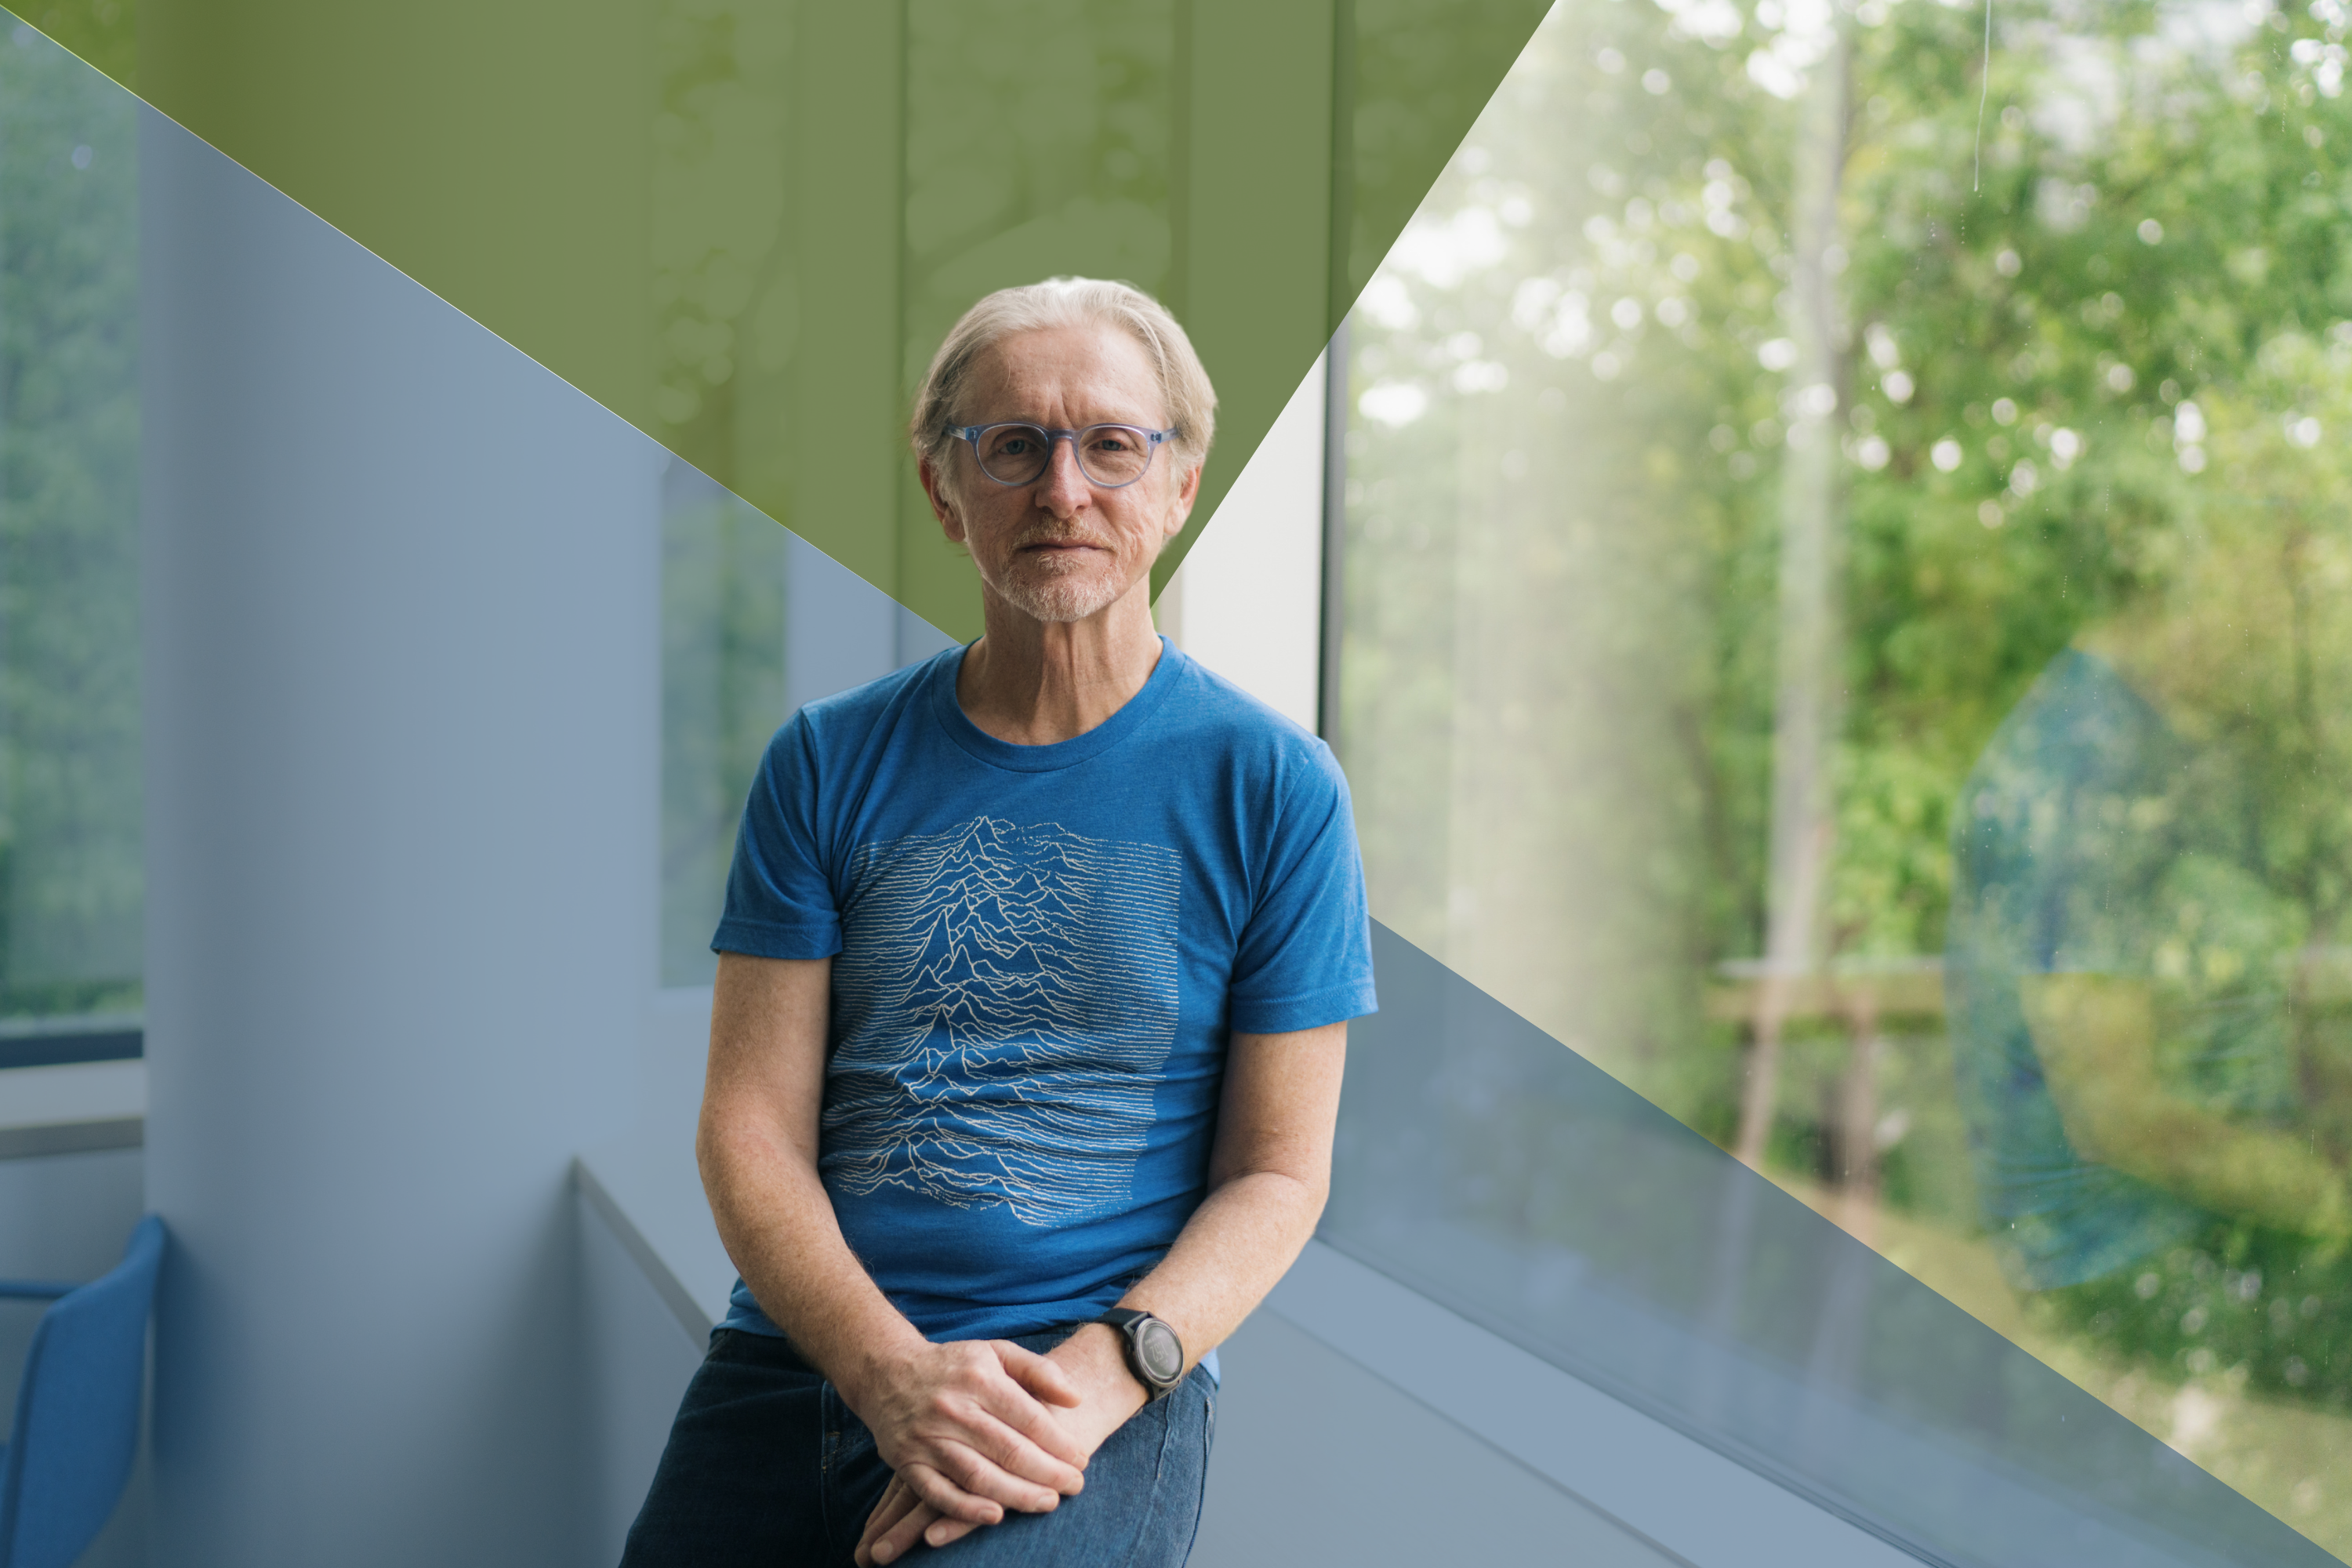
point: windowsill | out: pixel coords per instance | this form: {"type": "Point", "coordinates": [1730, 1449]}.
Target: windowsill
{"type": "Point", "coordinates": [73, 1108]}
{"type": "Point", "coordinates": [653, 1202]}
{"type": "Point", "coordinates": [643, 1184]}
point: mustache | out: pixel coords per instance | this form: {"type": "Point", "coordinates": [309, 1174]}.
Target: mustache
{"type": "Point", "coordinates": [1058, 537]}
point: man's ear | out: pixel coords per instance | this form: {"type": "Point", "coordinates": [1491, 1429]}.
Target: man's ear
{"type": "Point", "coordinates": [943, 504]}
{"type": "Point", "coordinates": [1187, 493]}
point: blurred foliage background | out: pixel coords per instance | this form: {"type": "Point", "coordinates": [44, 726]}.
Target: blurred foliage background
{"type": "Point", "coordinates": [70, 874]}
{"type": "Point", "coordinates": [2089, 361]}
{"type": "Point", "coordinates": [2091, 367]}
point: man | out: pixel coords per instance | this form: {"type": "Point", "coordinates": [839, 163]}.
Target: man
{"type": "Point", "coordinates": [1031, 1003]}
{"type": "Point", "coordinates": [2152, 1034]}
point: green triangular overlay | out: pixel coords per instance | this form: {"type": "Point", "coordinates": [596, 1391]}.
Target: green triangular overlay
{"type": "Point", "coordinates": [104, 33]}
{"type": "Point", "coordinates": [742, 225]}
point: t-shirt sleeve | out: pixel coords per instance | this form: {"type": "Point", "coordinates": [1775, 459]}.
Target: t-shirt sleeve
{"type": "Point", "coordinates": [1305, 956]}
{"type": "Point", "coordinates": [779, 901]}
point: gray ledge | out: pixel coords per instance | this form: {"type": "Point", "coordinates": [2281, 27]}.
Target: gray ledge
{"type": "Point", "coordinates": [72, 1137]}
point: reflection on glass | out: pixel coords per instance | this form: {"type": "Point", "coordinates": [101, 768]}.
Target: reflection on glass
{"type": "Point", "coordinates": [2147, 969]}
{"type": "Point", "coordinates": [725, 303]}
{"type": "Point", "coordinates": [1038, 142]}
{"type": "Point", "coordinates": [755, 622]}
{"type": "Point", "coordinates": [71, 887]}
{"type": "Point", "coordinates": [723, 694]}
{"type": "Point", "coordinates": [1849, 627]}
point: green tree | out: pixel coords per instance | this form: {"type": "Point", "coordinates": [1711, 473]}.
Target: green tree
{"type": "Point", "coordinates": [2089, 371]}
{"type": "Point", "coordinates": [69, 769]}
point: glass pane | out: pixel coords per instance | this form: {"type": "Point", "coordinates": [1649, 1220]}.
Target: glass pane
{"type": "Point", "coordinates": [1072, 172]}
{"type": "Point", "coordinates": [69, 764]}
{"type": "Point", "coordinates": [1846, 628]}
{"type": "Point", "coordinates": [723, 595]}
{"type": "Point", "coordinates": [755, 622]}
{"type": "Point", "coordinates": [725, 303]}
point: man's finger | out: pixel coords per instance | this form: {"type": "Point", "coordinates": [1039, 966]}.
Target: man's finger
{"type": "Point", "coordinates": [1018, 1406]}
{"type": "Point", "coordinates": [967, 1467]}
{"type": "Point", "coordinates": [901, 1538]}
{"type": "Point", "coordinates": [985, 1397]}
{"type": "Point", "coordinates": [950, 1500]}
{"type": "Point", "coordinates": [1032, 1426]}
{"type": "Point", "coordinates": [1025, 1458]}
{"type": "Point", "coordinates": [947, 1532]}
{"type": "Point", "coordinates": [896, 1498]}
{"type": "Point", "coordinates": [898, 1501]}
{"type": "Point", "coordinates": [1041, 1376]}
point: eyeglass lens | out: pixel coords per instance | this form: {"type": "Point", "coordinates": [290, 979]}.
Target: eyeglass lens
{"type": "Point", "coordinates": [1107, 454]}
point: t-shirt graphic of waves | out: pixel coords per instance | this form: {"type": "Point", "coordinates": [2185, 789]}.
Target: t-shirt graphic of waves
{"type": "Point", "coordinates": [1003, 1001]}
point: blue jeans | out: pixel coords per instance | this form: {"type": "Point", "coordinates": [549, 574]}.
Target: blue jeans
{"type": "Point", "coordinates": [766, 1466]}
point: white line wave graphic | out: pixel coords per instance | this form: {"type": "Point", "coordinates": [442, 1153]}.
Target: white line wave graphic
{"type": "Point", "coordinates": [1004, 999]}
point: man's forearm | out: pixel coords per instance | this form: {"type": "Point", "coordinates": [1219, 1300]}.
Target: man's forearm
{"type": "Point", "coordinates": [2096, 1036]}
{"type": "Point", "coordinates": [1234, 1248]}
{"type": "Point", "coordinates": [757, 1145]}
{"type": "Point", "coordinates": [1237, 1246]}
{"type": "Point", "coordinates": [779, 1226]}
{"type": "Point", "coordinates": [1270, 1172]}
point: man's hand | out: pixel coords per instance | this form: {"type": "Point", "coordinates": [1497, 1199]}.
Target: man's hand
{"type": "Point", "coordinates": [966, 1430]}
{"type": "Point", "coordinates": [966, 1426]}
{"type": "Point", "coordinates": [1268, 1171]}
{"type": "Point", "coordinates": [1094, 1368]}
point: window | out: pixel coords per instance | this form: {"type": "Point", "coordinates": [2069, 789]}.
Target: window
{"type": "Point", "coordinates": [70, 874]}
{"type": "Point", "coordinates": [755, 622]}
{"type": "Point", "coordinates": [723, 590]}
{"type": "Point", "coordinates": [1848, 624]}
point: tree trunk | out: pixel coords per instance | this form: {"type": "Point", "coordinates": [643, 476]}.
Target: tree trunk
{"type": "Point", "coordinates": [1855, 1137]}
{"type": "Point", "coordinates": [1806, 707]}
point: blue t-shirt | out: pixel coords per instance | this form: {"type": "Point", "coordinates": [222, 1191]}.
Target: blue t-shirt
{"type": "Point", "coordinates": [1039, 953]}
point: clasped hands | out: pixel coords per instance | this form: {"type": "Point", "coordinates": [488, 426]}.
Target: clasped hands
{"type": "Point", "coordinates": [973, 1428]}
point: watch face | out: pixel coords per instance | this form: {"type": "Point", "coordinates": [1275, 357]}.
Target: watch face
{"type": "Point", "coordinates": [1163, 1356]}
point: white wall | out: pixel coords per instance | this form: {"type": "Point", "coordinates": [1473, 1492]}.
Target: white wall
{"type": "Point", "coordinates": [638, 1364]}
{"type": "Point", "coordinates": [402, 590]}
{"type": "Point", "coordinates": [1248, 600]}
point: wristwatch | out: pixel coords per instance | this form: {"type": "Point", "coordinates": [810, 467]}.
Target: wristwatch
{"type": "Point", "coordinates": [1154, 1353]}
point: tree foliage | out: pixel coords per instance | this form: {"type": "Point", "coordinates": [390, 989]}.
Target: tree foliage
{"type": "Point", "coordinates": [69, 769]}
{"type": "Point", "coordinates": [2095, 373]}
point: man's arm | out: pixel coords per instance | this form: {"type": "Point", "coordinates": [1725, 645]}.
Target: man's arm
{"type": "Point", "coordinates": [1269, 1173]}
{"type": "Point", "coordinates": [962, 1424]}
{"type": "Point", "coordinates": [2095, 1035]}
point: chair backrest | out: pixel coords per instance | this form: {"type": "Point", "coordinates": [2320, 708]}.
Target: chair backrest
{"type": "Point", "coordinates": [77, 1412]}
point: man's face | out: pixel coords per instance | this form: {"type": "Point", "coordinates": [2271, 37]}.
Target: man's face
{"type": "Point", "coordinates": [1062, 548]}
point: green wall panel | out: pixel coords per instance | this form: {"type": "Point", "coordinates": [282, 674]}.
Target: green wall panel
{"type": "Point", "coordinates": [1040, 148]}
{"type": "Point", "coordinates": [497, 153]}
{"type": "Point", "coordinates": [742, 225]}
{"type": "Point", "coordinates": [1419, 72]}
{"type": "Point", "coordinates": [841, 451]}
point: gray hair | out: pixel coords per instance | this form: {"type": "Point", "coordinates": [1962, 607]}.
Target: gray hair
{"type": "Point", "coordinates": [1184, 389]}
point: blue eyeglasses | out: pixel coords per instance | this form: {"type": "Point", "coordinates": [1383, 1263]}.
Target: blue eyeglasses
{"type": "Point", "coordinates": [1111, 455]}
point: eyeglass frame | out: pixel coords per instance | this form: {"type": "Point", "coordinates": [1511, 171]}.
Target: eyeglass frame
{"type": "Point", "coordinates": [970, 433]}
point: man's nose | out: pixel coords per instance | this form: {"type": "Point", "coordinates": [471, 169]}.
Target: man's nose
{"type": "Point", "coordinates": [1062, 488]}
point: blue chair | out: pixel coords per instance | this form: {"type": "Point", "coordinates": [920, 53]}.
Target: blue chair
{"type": "Point", "coordinates": [77, 1428]}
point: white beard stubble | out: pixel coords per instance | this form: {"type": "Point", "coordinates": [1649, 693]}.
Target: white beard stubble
{"type": "Point", "coordinates": [1051, 593]}
{"type": "Point", "coordinates": [1060, 597]}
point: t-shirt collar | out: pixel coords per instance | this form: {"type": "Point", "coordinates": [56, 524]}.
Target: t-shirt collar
{"type": "Point", "coordinates": [988, 749]}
